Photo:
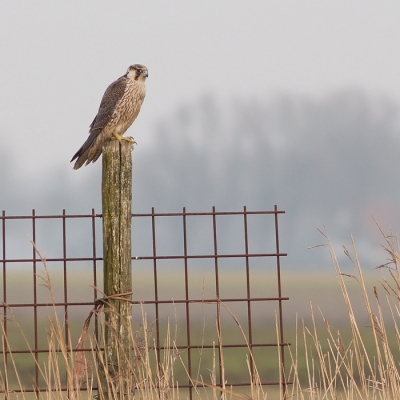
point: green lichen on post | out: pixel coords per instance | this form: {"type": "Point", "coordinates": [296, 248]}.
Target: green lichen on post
{"type": "Point", "coordinates": [117, 217]}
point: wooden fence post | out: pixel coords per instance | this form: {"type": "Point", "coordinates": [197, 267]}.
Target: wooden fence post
{"type": "Point", "coordinates": [117, 217]}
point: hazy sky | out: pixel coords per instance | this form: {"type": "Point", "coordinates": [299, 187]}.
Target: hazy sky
{"type": "Point", "coordinates": [57, 58]}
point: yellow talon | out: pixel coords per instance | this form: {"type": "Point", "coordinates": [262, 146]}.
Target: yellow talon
{"type": "Point", "coordinates": [119, 138]}
{"type": "Point", "coordinates": [129, 139]}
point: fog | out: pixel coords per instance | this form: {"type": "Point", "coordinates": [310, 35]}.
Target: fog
{"type": "Point", "coordinates": [329, 162]}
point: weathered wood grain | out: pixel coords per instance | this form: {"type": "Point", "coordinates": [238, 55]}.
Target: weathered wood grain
{"type": "Point", "coordinates": [117, 217]}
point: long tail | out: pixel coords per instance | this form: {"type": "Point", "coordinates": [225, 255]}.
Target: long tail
{"type": "Point", "coordinates": [90, 150]}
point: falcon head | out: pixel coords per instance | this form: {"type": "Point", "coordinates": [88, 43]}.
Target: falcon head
{"type": "Point", "coordinates": [137, 72]}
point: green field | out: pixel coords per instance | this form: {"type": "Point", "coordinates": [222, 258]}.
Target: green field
{"type": "Point", "coordinates": [304, 288]}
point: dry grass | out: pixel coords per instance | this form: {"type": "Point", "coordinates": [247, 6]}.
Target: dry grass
{"type": "Point", "coordinates": [337, 367]}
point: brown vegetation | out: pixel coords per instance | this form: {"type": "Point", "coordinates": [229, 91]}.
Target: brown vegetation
{"type": "Point", "coordinates": [358, 365]}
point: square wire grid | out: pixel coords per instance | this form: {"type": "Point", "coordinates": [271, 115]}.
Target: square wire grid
{"type": "Point", "coordinates": [179, 274]}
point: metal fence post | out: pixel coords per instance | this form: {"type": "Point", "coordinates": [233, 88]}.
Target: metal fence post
{"type": "Point", "coordinates": [117, 217]}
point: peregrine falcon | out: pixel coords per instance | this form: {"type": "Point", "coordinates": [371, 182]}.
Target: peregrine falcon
{"type": "Point", "coordinates": [118, 109]}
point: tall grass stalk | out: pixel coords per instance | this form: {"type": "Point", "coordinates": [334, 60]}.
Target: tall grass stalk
{"type": "Point", "coordinates": [336, 366]}
{"type": "Point", "coordinates": [351, 369]}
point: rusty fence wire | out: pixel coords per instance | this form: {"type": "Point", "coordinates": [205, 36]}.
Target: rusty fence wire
{"type": "Point", "coordinates": [191, 270]}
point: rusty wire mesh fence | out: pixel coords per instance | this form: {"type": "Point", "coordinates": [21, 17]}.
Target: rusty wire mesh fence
{"type": "Point", "coordinates": [191, 270]}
